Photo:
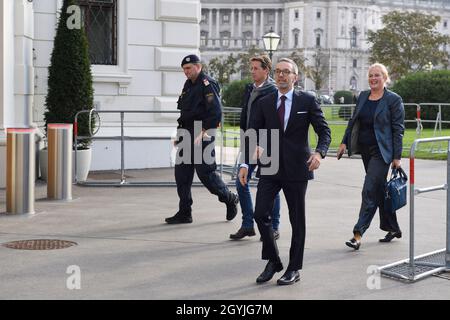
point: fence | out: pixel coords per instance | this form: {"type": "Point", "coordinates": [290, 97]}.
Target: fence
{"type": "Point", "coordinates": [416, 268]}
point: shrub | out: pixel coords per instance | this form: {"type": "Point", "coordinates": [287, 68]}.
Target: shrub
{"type": "Point", "coordinates": [344, 112]}
{"type": "Point", "coordinates": [233, 92]}
{"type": "Point", "coordinates": [70, 80]}
{"type": "Point", "coordinates": [423, 87]}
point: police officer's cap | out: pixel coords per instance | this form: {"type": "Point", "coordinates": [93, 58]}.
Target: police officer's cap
{"type": "Point", "coordinates": [192, 58]}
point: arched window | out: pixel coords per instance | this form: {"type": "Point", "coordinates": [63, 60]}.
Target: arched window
{"type": "Point", "coordinates": [318, 40]}
{"type": "Point", "coordinates": [296, 34]}
{"type": "Point", "coordinates": [353, 83]}
{"type": "Point", "coordinates": [353, 34]}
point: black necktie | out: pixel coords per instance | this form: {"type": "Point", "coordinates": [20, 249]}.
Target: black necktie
{"type": "Point", "coordinates": [281, 110]}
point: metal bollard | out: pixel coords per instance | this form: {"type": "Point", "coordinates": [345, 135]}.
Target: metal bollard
{"type": "Point", "coordinates": [20, 170]}
{"type": "Point", "coordinates": [59, 181]}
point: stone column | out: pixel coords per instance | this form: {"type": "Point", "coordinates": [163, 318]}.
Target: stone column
{"type": "Point", "coordinates": [239, 35]}
{"type": "Point", "coordinates": [210, 28]}
{"type": "Point", "coordinates": [6, 79]}
{"type": "Point", "coordinates": [232, 28]}
{"type": "Point", "coordinates": [261, 24]}
{"type": "Point", "coordinates": [254, 27]}
{"type": "Point", "coordinates": [217, 26]}
{"type": "Point", "coordinates": [276, 22]}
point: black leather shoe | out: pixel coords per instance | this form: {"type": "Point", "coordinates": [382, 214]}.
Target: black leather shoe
{"type": "Point", "coordinates": [276, 235]}
{"type": "Point", "coordinates": [179, 218]}
{"type": "Point", "coordinates": [243, 232]}
{"type": "Point", "coordinates": [232, 207]}
{"type": "Point", "coordinates": [353, 243]}
{"type": "Point", "coordinates": [289, 277]}
{"type": "Point", "coordinates": [391, 235]}
{"type": "Point", "coordinates": [269, 271]}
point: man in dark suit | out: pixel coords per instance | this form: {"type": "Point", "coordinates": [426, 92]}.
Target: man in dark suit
{"type": "Point", "coordinates": [285, 114]}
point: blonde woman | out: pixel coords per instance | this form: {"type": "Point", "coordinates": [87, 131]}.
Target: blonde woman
{"type": "Point", "coordinates": [376, 132]}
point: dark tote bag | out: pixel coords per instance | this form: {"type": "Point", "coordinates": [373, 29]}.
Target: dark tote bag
{"type": "Point", "coordinates": [395, 190]}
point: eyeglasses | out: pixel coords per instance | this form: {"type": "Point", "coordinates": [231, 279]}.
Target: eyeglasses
{"type": "Point", "coordinates": [286, 72]}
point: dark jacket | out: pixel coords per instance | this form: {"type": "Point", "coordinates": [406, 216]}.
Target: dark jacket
{"type": "Point", "coordinates": [200, 101]}
{"type": "Point", "coordinates": [388, 125]}
{"type": "Point", "coordinates": [244, 103]}
{"type": "Point", "coordinates": [294, 150]}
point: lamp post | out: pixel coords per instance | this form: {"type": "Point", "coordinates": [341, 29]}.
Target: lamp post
{"type": "Point", "coordinates": [271, 41]}
{"type": "Point", "coordinates": [429, 66]}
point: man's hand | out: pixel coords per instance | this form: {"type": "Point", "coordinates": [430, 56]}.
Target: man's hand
{"type": "Point", "coordinates": [396, 163]}
{"type": "Point", "coordinates": [258, 153]}
{"type": "Point", "coordinates": [341, 150]}
{"type": "Point", "coordinates": [243, 173]}
{"type": "Point", "coordinates": [314, 161]}
{"type": "Point", "coordinates": [200, 137]}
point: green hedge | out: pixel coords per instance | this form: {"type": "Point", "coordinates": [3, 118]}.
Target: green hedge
{"type": "Point", "coordinates": [344, 112]}
{"type": "Point", "coordinates": [422, 87]}
{"type": "Point", "coordinates": [233, 92]}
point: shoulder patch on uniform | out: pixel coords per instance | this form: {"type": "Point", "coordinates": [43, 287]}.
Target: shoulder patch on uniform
{"type": "Point", "coordinates": [206, 82]}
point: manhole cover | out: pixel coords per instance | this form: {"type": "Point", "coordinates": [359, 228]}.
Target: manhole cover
{"type": "Point", "coordinates": [39, 244]}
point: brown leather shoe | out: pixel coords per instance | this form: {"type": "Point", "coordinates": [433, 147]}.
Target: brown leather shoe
{"type": "Point", "coordinates": [242, 233]}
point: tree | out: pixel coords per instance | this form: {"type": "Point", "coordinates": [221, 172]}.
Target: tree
{"type": "Point", "coordinates": [244, 60]}
{"type": "Point", "coordinates": [70, 80]}
{"type": "Point", "coordinates": [318, 72]}
{"type": "Point", "coordinates": [408, 42]}
{"type": "Point", "coordinates": [222, 67]}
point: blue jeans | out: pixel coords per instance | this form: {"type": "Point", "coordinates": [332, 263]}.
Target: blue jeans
{"type": "Point", "coordinates": [245, 200]}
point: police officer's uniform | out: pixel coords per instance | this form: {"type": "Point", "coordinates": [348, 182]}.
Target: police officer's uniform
{"type": "Point", "coordinates": [199, 101]}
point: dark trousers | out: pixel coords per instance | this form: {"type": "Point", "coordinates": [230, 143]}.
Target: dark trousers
{"type": "Point", "coordinates": [294, 192]}
{"type": "Point", "coordinates": [373, 192]}
{"type": "Point", "coordinates": [184, 175]}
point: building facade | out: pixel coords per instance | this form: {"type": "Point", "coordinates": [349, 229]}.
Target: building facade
{"type": "Point", "coordinates": [338, 28]}
{"type": "Point", "coordinates": [136, 48]}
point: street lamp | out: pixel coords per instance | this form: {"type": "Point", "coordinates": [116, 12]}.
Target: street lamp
{"type": "Point", "coordinates": [271, 41]}
{"type": "Point", "coordinates": [429, 66]}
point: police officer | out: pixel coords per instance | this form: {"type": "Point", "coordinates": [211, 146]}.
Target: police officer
{"type": "Point", "coordinates": [200, 106]}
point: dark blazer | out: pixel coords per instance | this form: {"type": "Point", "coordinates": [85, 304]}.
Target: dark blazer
{"type": "Point", "coordinates": [293, 143]}
{"type": "Point", "coordinates": [388, 125]}
{"type": "Point", "coordinates": [244, 103]}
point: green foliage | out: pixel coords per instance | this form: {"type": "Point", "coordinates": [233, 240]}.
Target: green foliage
{"type": "Point", "coordinates": [408, 42]}
{"type": "Point", "coordinates": [423, 87]}
{"type": "Point", "coordinates": [222, 67]}
{"type": "Point", "coordinates": [70, 80]}
{"type": "Point", "coordinates": [344, 112]}
{"type": "Point", "coordinates": [233, 92]}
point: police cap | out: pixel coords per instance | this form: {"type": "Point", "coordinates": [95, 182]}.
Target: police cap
{"type": "Point", "coordinates": [192, 58]}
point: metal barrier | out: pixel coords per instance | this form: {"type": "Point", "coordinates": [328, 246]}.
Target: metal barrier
{"type": "Point", "coordinates": [59, 176]}
{"type": "Point", "coordinates": [20, 170]}
{"type": "Point", "coordinates": [123, 182]}
{"type": "Point", "coordinates": [416, 268]}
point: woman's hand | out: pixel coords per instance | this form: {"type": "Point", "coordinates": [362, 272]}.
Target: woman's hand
{"type": "Point", "coordinates": [396, 163]}
{"type": "Point", "coordinates": [341, 150]}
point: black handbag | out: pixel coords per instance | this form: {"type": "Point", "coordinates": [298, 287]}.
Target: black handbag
{"type": "Point", "coordinates": [395, 191]}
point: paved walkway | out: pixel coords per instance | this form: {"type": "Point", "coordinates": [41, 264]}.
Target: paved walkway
{"type": "Point", "coordinates": [126, 251]}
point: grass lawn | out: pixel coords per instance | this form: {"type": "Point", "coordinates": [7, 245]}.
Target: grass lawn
{"type": "Point", "coordinates": [426, 151]}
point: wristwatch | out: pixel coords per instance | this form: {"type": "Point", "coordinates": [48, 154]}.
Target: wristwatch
{"type": "Point", "coordinates": [322, 153]}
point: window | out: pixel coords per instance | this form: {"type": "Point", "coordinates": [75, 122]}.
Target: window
{"type": "Point", "coordinates": [225, 18]}
{"type": "Point", "coordinates": [247, 39]}
{"type": "Point", "coordinates": [225, 39]}
{"type": "Point", "coordinates": [296, 40]}
{"type": "Point", "coordinates": [318, 14]}
{"type": "Point", "coordinates": [318, 40]}
{"type": "Point", "coordinates": [271, 18]}
{"type": "Point", "coordinates": [353, 34]}
{"type": "Point", "coordinates": [445, 24]}
{"type": "Point", "coordinates": [296, 15]}
{"type": "Point", "coordinates": [353, 83]}
{"type": "Point", "coordinates": [203, 39]}
{"type": "Point", "coordinates": [355, 14]}
{"type": "Point", "coordinates": [248, 18]}
{"type": "Point", "coordinates": [100, 22]}
{"type": "Point", "coordinates": [355, 63]}
{"type": "Point", "coordinates": [204, 19]}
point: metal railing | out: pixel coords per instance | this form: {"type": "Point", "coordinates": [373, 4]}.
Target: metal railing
{"type": "Point", "coordinates": [416, 268]}
{"type": "Point", "coordinates": [222, 168]}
